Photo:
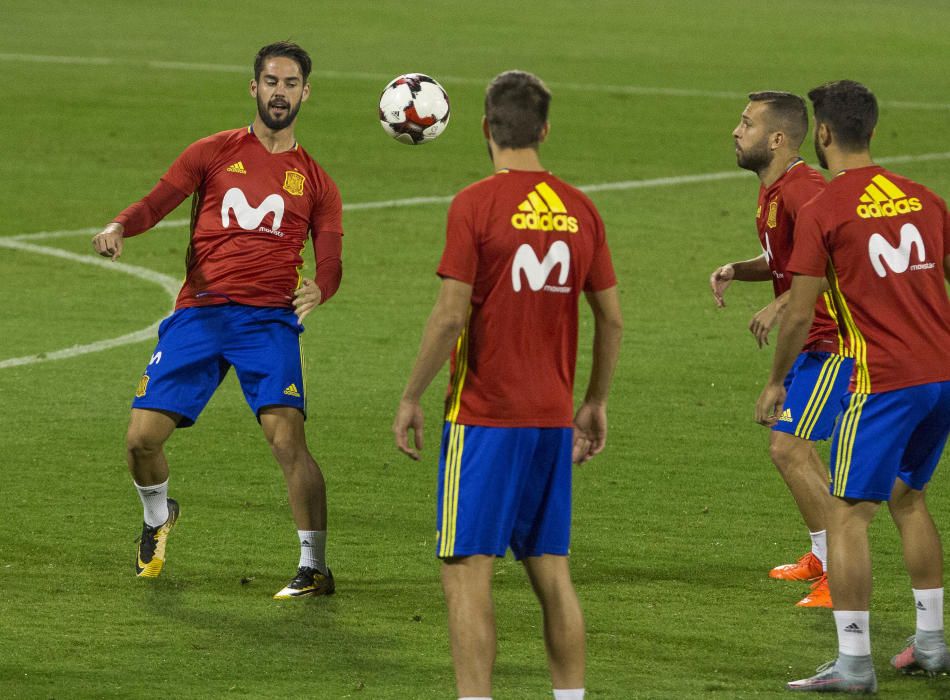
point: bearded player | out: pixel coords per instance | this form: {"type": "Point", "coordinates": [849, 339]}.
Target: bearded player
{"type": "Point", "coordinates": [883, 242]}
{"type": "Point", "coordinates": [767, 139]}
{"type": "Point", "coordinates": [521, 247]}
{"type": "Point", "coordinates": [258, 196]}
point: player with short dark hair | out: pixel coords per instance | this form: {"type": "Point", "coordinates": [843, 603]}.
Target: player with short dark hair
{"type": "Point", "coordinates": [883, 242]}
{"type": "Point", "coordinates": [767, 141]}
{"type": "Point", "coordinates": [521, 247]}
{"type": "Point", "coordinates": [258, 196]}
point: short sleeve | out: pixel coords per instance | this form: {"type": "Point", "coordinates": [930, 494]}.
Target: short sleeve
{"type": "Point", "coordinates": [601, 274]}
{"type": "Point", "coordinates": [810, 253]}
{"type": "Point", "coordinates": [327, 213]}
{"type": "Point", "coordinates": [460, 256]}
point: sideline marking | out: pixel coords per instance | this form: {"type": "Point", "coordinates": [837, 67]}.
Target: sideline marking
{"type": "Point", "coordinates": [166, 282]}
{"type": "Point", "coordinates": [357, 75]}
{"type": "Point", "coordinates": [171, 284]}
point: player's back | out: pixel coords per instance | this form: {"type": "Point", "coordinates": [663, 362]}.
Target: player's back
{"type": "Point", "coordinates": [529, 244]}
{"type": "Point", "coordinates": [887, 237]}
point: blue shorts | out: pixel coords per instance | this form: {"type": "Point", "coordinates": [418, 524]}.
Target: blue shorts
{"type": "Point", "coordinates": [504, 487]}
{"type": "Point", "coordinates": [814, 387]}
{"type": "Point", "coordinates": [197, 346]}
{"type": "Point", "coordinates": [886, 436]}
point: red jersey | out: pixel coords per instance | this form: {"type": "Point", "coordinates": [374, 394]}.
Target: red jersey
{"type": "Point", "coordinates": [886, 237]}
{"type": "Point", "coordinates": [775, 222]}
{"type": "Point", "coordinates": [251, 218]}
{"type": "Point", "coordinates": [529, 244]}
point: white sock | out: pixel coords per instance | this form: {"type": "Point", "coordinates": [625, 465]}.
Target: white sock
{"type": "Point", "coordinates": [819, 547]}
{"type": "Point", "coordinates": [472, 697]}
{"type": "Point", "coordinates": [154, 502]}
{"type": "Point", "coordinates": [929, 602]}
{"type": "Point", "coordinates": [853, 637]}
{"type": "Point", "coordinates": [572, 694]}
{"type": "Point", "coordinates": [313, 549]}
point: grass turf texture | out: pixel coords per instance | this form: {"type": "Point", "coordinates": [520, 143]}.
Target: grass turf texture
{"type": "Point", "coordinates": [676, 523]}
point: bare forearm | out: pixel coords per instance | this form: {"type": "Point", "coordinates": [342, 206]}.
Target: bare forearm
{"type": "Point", "coordinates": [754, 270]}
{"type": "Point", "coordinates": [438, 339]}
{"type": "Point", "coordinates": [791, 339]}
{"type": "Point", "coordinates": [607, 339]}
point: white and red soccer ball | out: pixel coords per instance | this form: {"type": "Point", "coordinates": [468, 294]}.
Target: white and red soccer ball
{"type": "Point", "coordinates": [414, 109]}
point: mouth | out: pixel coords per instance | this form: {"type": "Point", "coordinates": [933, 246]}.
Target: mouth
{"type": "Point", "coordinates": [279, 107]}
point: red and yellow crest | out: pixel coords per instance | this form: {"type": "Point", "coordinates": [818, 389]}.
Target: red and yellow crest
{"type": "Point", "coordinates": [773, 214]}
{"type": "Point", "coordinates": [143, 385]}
{"type": "Point", "coordinates": [293, 182]}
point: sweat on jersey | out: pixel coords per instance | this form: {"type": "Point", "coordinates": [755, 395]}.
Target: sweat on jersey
{"type": "Point", "coordinates": [252, 214]}
{"type": "Point", "coordinates": [529, 244]}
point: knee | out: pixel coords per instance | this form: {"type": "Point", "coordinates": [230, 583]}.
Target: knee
{"type": "Point", "coordinates": [287, 449]}
{"type": "Point", "coordinates": [141, 446]}
{"type": "Point", "coordinates": [786, 451]}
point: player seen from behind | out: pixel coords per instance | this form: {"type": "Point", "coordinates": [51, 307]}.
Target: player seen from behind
{"type": "Point", "coordinates": [521, 247]}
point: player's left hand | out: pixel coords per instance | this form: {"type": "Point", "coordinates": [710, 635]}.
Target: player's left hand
{"type": "Point", "coordinates": [590, 432]}
{"type": "Point", "coordinates": [408, 416]}
{"type": "Point", "coordinates": [769, 406]}
{"type": "Point", "coordinates": [763, 322]}
{"type": "Point", "coordinates": [306, 298]}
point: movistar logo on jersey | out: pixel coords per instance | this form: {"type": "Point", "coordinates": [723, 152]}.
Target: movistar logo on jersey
{"type": "Point", "coordinates": [536, 271]}
{"type": "Point", "coordinates": [249, 218]}
{"type": "Point", "coordinates": [883, 198]}
{"type": "Point", "coordinates": [898, 259]}
{"type": "Point", "coordinates": [543, 210]}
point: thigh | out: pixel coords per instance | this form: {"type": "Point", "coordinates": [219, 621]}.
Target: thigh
{"type": "Point", "coordinates": [814, 389]}
{"type": "Point", "coordinates": [263, 344]}
{"type": "Point", "coordinates": [481, 477]}
{"type": "Point", "coordinates": [186, 367]}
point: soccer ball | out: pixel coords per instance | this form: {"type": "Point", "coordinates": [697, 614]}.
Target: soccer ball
{"type": "Point", "coordinates": [414, 109]}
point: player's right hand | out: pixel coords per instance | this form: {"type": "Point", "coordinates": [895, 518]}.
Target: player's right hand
{"type": "Point", "coordinates": [408, 416]}
{"type": "Point", "coordinates": [718, 281]}
{"type": "Point", "coordinates": [108, 242]}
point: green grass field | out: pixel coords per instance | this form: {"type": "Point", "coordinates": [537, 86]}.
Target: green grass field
{"type": "Point", "coordinates": [677, 522]}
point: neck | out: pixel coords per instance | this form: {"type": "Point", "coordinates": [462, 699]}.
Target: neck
{"type": "Point", "coordinates": [778, 167]}
{"type": "Point", "coordinates": [274, 141]}
{"type": "Point", "coordinates": [839, 161]}
{"type": "Point", "coordinates": [516, 159]}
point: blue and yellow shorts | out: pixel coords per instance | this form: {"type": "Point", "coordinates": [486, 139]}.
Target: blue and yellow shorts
{"type": "Point", "coordinates": [504, 487]}
{"type": "Point", "coordinates": [197, 346]}
{"type": "Point", "coordinates": [814, 387]}
{"type": "Point", "coordinates": [896, 434]}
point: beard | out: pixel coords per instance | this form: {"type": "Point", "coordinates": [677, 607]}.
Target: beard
{"type": "Point", "coordinates": [756, 158]}
{"type": "Point", "coordinates": [275, 123]}
{"type": "Point", "coordinates": [820, 152]}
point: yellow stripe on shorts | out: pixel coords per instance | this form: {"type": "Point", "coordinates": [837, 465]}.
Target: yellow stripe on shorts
{"type": "Point", "coordinates": [819, 396]}
{"type": "Point", "coordinates": [450, 489]}
{"type": "Point", "coordinates": [849, 430]}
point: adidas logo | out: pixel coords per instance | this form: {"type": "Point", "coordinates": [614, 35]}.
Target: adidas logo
{"type": "Point", "coordinates": [292, 391]}
{"type": "Point", "coordinates": [854, 627]}
{"type": "Point", "coordinates": [883, 198]}
{"type": "Point", "coordinates": [786, 416]}
{"type": "Point", "coordinates": [543, 210]}
{"type": "Point", "coordinates": [237, 168]}
{"type": "Point", "coordinates": [920, 606]}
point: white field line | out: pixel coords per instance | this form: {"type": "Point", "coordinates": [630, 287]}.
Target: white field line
{"type": "Point", "coordinates": [171, 285]}
{"type": "Point", "coordinates": [166, 282]}
{"type": "Point", "coordinates": [657, 91]}
{"type": "Point", "coordinates": [442, 199]}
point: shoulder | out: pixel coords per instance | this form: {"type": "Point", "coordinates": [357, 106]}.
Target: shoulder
{"type": "Point", "coordinates": [477, 192]}
{"type": "Point", "coordinates": [805, 184]}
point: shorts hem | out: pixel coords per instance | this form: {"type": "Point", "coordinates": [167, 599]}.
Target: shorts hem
{"type": "Point", "coordinates": [188, 419]}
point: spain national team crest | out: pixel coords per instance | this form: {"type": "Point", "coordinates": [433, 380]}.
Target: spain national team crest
{"type": "Point", "coordinates": [143, 385]}
{"type": "Point", "coordinates": [773, 214]}
{"type": "Point", "coordinates": [293, 182]}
